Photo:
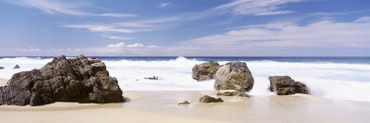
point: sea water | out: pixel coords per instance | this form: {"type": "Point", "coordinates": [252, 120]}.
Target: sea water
{"type": "Point", "coordinates": [332, 77]}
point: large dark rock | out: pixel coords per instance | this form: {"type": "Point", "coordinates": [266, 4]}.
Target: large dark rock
{"type": "Point", "coordinates": [234, 76]}
{"type": "Point", "coordinates": [67, 80]}
{"type": "Point", "coordinates": [209, 99]}
{"type": "Point", "coordinates": [205, 71]}
{"type": "Point", "coordinates": [284, 85]}
{"type": "Point", "coordinates": [1, 67]}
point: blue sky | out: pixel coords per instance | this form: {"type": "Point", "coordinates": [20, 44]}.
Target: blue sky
{"type": "Point", "coordinates": [185, 27]}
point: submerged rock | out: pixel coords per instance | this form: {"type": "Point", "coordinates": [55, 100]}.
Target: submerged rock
{"type": "Point", "coordinates": [16, 67]}
{"type": "Point", "coordinates": [205, 71]}
{"type": "Point", "coordinates": [80, 80]}
{"type": "Point", "coordinates": [234, 76]}
{"type": "Point", "coordinates": [183, 103]}
{"type": "Point", "coordinates": [152, 78]}
{"type": "Point", "coordinates": [284, 85]}
{"type": "Point", "coordinates": [233, 93]}
{"type": "Point", "coordinates": [209, 99]}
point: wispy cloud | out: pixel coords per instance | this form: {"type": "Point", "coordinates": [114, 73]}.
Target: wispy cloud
{"type": "Point", "coordinates": [116, 15]}
{"type": "Point", "coordinates": [322, 34]}
{"type": "Point", "coordinates": [101, 28]}
{"type": "Point", "coordinates": [165, 4]}
{"type": "Point", "coordinates": [69, 8]}
{"type": "Point", "coordinates": [255, 7]}
{"type": "Point", "coordinates": [118, 37]}
{"type": "Point", "coordinates": [339, 13]}
{"type": "Point", "coordinates": [124, 27]}
{"type": "Point", "coordinates": [122, 45]}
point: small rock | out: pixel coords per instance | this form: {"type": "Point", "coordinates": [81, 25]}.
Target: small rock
{"type": "Point", "coordinates": [1, 67]}
{"type": "Point", "coordinates": [183, 103]}
{"type": "Point", "coordinates": [209, 99]}
{"type": "Point", "coordinates": [152, 78]}
{"type": "Point", "coordinates": [16, 67]}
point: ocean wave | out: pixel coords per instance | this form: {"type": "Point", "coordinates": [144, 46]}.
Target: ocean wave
{"type": "Point", "coordinates": [326, 79]}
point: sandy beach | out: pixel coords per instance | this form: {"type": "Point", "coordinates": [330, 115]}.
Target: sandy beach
{"type": "Point", "coordinates": [161, 106]}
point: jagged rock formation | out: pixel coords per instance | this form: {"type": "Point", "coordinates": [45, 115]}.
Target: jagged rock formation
{"type": "Point", "coordinates": [234, 76]}
{"type": "Point", "coordinates": [67, 80]}
{"type": "Point", "coordinates": [284, 85]}
{"type": "Point", "coordinates": [205, 71]}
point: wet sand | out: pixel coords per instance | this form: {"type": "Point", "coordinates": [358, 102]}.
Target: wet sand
{"type": "Point", "coordinates": [161, 106]}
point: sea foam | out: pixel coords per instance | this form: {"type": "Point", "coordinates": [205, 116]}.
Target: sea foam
{"type": "Point", "coordinates": [325, 79]}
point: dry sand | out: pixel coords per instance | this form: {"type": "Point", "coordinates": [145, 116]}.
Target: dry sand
{"type": "Point", "coordinates": [161, 106]}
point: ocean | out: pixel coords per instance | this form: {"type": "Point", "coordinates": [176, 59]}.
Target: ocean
{"type": "Point", "coordinates": [331, 77]}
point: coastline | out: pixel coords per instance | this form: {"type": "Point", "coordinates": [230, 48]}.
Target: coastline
{"type": "Point", "coordinates": [161, 106]}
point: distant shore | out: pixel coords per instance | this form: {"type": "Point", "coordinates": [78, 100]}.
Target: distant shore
{"type": "Point", "coordinates": [161, 106]}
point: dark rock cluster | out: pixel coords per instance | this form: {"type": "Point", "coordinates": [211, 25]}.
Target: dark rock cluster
{"type": "Point", "coordinates": [284, 85]}
{"type": "Point", "coordinates": [80, 80]}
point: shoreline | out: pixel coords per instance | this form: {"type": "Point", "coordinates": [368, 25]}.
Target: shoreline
{"type": "Point", "coordinates": [162, 107]}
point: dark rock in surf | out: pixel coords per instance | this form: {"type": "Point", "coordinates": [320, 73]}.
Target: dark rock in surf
{"type": "Point", "coordinates": [234, 76]}
{"type": "Point", "coordinates": [80, 80]}
{"type": "Point", "coordinates": [284, 85]}
{"type": "Point", "coordinates": [1, 67]}
{"type": "Point", "coordinates": [205, 71]}
{"type": "Point", "coordinates": [16, 67]}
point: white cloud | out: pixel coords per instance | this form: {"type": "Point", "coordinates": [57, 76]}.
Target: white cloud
{"type": "Point", "coordinates": [118, 37]}
{"type": "Point", "coordinates": [69, 8]}
{"type": "Point", "coordinates": [117, 45]}
{"type": "Point", "coordinates": [135, 45]}
{"type": "Point", "coordinates": [101, 28]}
{"type": "Point", "coordinates": [255, 7]}
{"type": "Point", "coordinates": [162, 5]}
{"type": "Point", "coordinates": [322, 34]}
{"type": "Point", "coordinates": [30, 49]}
{"type": "Point", "coordinates": [122, 45]}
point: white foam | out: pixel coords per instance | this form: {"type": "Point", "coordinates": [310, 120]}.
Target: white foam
{"type": "Point", "coordinates": [333, 80]}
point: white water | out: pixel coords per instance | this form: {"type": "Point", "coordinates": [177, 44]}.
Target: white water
{"type": "Point", "coordinates": [333, 80]}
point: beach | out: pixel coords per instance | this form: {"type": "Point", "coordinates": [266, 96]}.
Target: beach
{"type": "Point", "coordinates": [161, 106]}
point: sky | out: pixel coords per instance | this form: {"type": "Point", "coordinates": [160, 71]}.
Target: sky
{"type": "Point", "coordinates": [185, 27]}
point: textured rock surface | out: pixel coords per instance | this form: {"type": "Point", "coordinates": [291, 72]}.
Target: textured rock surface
{"type": "Point", "coordinates": [205, 71]}
{"type": "Point", "coordinates": [284, 85]}
{"type": "Point", "coordinates": [67, 80]}
{"type": "Point", "coordinates": [234, 76]}
{"type": "Point", "coordinates": [209, 99]}
{"type": "Point", "coordinates": [232, 93]}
